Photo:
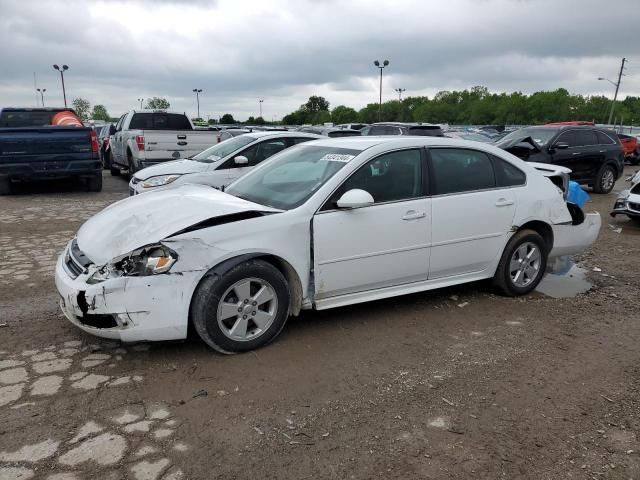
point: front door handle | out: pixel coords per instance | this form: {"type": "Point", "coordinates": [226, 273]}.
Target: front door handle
{"type": "Point", "coordinates": [576, 153]}
{"type": "Point", "coordinates": [503, 202]}
{"type": "Point", "coordinates": [413, 215]}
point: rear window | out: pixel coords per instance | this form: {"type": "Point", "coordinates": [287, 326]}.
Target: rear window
{"type": "Point", "coordinates": [159, 121]}
{"type": "Point", "coordinates": [426, 131]}
{"type": "Point", "coordinates": [9, 119]}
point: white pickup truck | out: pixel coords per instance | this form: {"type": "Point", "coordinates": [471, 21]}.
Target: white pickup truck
{"type": "Point", "coordinates": [146, 137]}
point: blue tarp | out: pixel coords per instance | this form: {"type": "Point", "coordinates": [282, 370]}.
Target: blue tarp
{"type": "Point", "coordinates": [577, 195]}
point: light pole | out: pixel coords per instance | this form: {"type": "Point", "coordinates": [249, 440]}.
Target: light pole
{"type": "Point", "coordinates": [42, 94]}
{"type": "Point", "coordinates": [377, 64]}
{"type": "Point", "coordinates": [400, 90]}
{"type": "Point", "coordinates": [197, 91]}
{"type": "Point", "coordinates": [260, 103]}
{"type": "Point", "coordinates": [62, 70]}
{"type": "Point", "coordinates": [141, 100]}
{"type": "Point", "coordinates": [617, 85]}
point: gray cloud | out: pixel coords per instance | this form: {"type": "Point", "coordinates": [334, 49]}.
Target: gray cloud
{"type": "Point", "coordinates": [286, 50]}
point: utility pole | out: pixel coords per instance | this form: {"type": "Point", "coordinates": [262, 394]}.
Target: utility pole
{"type": "Point", "coordinates": [377, 64]}
{"type": "Point", "coordinates": [42, 90]}
{"type": "Point", "coordinates": [141, 100]}
{"type": "Point", "coordinates": [400, 90]}
{"type": "Point", "coordinates": [260, 102]}
{"type": "Point", "coordinates": [62, 70]}
{"type": "Point", "coordinates": [615, 95]}
{"type": "Point", "coordinates": [198, 91]}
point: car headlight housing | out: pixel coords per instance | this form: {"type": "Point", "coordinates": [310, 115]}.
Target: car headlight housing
{"type": "Point", "coordinates": [145, 261]}
{"type": "Point", "coordinates": [159, 180]}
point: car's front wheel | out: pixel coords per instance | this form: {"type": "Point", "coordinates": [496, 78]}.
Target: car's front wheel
{"type": "Point", "coordinates": [243, 309]}
{"type": "Point", "coordinates": [522, 265]}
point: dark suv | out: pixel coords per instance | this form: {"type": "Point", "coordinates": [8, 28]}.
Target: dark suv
{"type": "Point", "coordinates": [399, 128]}
{"type": "Point", "coordinates": [593, 154]}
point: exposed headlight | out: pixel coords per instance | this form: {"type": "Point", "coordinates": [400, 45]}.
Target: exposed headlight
{"type": "Point", "coordinates": [149, 260]}
{"type": "Point", "coordinates": [160, 180]}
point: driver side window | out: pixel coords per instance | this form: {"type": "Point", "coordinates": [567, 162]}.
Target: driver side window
{"type": "Point", "coordinates": [568, 137]}
{"type": "Point", "coordinates": [390, 177]}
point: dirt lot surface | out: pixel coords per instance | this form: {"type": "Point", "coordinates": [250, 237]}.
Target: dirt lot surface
{"type": "Point", "coordinates": [456, 383]}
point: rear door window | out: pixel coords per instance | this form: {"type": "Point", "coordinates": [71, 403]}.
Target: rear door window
{"type": "Point", "coordinates": [460, 170]}
{"type": "Point", "coordinates": [585, 138]}
{"type": "Point", "coordinates": [604, 139]}
{"type": "Point", "coordinates": [507, 175]}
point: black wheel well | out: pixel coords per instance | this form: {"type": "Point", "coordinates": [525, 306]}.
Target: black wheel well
{"type": "Point", "coordinates": [543, 229]}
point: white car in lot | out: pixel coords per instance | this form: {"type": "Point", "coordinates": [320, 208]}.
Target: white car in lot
{"type": "Point", "coordinates": [220, 164]}
{"type": "Point", "coordinates": [628, 201]}
{"type": "Point", "coordinates": [320, 225]}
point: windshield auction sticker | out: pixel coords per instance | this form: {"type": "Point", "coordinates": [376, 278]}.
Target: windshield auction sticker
{"type": "Point", "coordinates": [337, 157]}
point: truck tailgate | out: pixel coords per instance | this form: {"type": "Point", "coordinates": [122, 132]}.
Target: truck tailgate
{"type": "Point", "coordinates": [177, 144]}
{"type": "Point", "coordinates": [24, 151]}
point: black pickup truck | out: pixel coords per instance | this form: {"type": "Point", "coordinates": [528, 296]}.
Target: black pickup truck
{"type": "Point", "coordinates": [31, 148]}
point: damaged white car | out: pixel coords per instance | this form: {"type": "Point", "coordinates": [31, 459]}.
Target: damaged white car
{"type": "Point", "coordinates": [628, 201]}
{"type": "Point", "coordinates": [320, 225]}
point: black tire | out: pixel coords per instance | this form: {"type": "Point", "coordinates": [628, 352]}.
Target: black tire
{"type": "Point", "coordinates": [106, 160]}
{"type": "Point", "coordinates": [94, 184]}
{"type": "Point", "coordinates": [131, 164]}
{"type": "Point", "coordinates": [5, 186]}
{"type": "Point", "coordinates": [635, 160]}
{"type": "Point", "coordinates": [502, 278]}
{"type": "Point", "coordinates": [601, 183]}
{"type": "Point", "coordinates": [208, 295]}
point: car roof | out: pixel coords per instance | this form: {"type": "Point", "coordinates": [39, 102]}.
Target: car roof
{"type": "Point", "coordinates": [279, 133]}
{"type": "Point", "coordinates": [394, 141]}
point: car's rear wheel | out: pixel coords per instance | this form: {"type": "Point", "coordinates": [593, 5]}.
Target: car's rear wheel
{"type": "Point", "coordinates": [243, 309]}
{"type": "Point", "coordinates": [605, 179]}
{"type": "Point", "coordinates": [131, 164]}
{"type": "Point", "coordinates": [522, 265]}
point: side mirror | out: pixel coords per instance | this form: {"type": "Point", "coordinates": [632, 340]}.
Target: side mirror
{"type": "Point", "coordinates": [355, 198]}
{"type": "Point", "coordinates": [561, 145]}
{"type": "Point", "coordinates": [241, 160]}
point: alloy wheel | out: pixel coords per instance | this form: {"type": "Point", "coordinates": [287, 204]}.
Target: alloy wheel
{"type": "Point", "coordinates": [524, 266]}
{"type": "Point", "coordinates": [247, 309]}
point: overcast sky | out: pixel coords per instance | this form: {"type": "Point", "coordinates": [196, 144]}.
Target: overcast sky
{"type": "Point", "coordinates": [286, 50]}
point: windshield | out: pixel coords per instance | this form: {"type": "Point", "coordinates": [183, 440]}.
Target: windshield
{"type": "Point", "coordinates": [221, 150]}
{"type": "Point", "coordinates": [540, 135]}
{"type": "Point", "coordinates": [290, 178]}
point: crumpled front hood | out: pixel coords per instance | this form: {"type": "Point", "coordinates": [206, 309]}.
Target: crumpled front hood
{"type": "Point", "coordinates": [174, 166]}
{"type": "Point", "coordinates": [144, 219]}
{"type": "Point", "coordinates": [506, 144]}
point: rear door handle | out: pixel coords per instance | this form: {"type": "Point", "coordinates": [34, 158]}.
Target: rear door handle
{"type": "Point", "coordinates": [413, 215]}
{"type": "Point", "coordinates": [503, 202]}
{"type": "Point", "coordinates": [576, 153]}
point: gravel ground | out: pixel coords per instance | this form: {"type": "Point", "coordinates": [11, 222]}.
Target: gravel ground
{"type": "Point", "coordinates": [455, 383]}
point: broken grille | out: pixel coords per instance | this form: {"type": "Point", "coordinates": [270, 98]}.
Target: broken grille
{"type": "Point", "coordinates": [75, 261]}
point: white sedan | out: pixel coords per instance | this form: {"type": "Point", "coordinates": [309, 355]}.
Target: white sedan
{"type": "Point", "coordinates": [320, 225]}
{"type": "Point", "coordinates": [218, 165]}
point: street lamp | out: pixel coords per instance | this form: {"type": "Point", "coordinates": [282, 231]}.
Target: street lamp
{"type": "Point", "coordinates": [377, 64]}
{"type": "Point", "coordinates": [42, 94]}
{"type": "Point", "coordinates": [400, 90]}
{"type": "Point", "coordinates": [197, 91]}
{"type": "Point", "coordinates": [62, 70]}
{"type": "Point", "coordinates": [141, 100]}
{"type": "Point", "coordinates": [260, 103]}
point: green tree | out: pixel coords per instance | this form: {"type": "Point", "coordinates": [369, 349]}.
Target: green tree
{"type": "Point", "coordinates": [212, 121]}
{"type": "Point", "coordinates": [82, 107]}
{"type": "Point", "coordinates": [157, 103]}
{"type": "Point", "coordinates": [316, 104]}
{"type": "Point", "coordinates": [259, 121]}
{"type": "Point", "coordinates": [100, 113]}
{"type": "Point", "coordinates": [342, 114]}
{"type": "Point", "coordinates": [227, 119]}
